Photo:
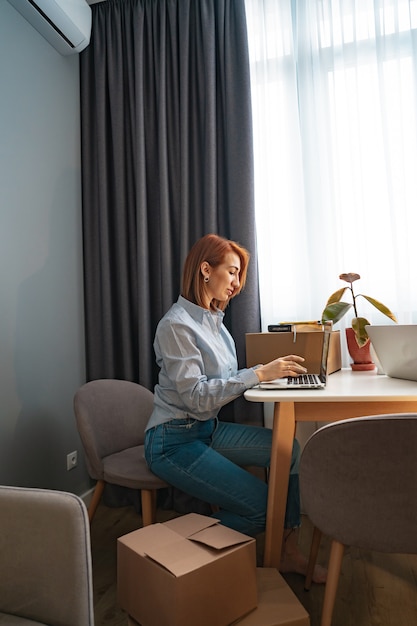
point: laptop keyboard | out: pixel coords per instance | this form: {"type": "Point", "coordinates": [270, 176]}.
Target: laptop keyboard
{"type": "Point", "coordinates": [304, 379]}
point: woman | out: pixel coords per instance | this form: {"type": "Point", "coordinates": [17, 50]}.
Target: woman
{"type": "Point", "coordinates": [186, 444]}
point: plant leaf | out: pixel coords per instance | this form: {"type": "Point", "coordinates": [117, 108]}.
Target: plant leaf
{"type": "Point", "coordinates": [336, 296]}
{"type": "Point", "coordinates": [358, 325]}
{"type": "Point", "coordinates": [335, 311]}
{"type": "Point", "coordinates": [350, 277]}
{"type": "Point", "coordinates": [381, 307]}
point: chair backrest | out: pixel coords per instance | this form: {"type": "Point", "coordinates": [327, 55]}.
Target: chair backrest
{"type": "Point", "coordinates": [358, 482]}
{"type": "Point", "coordinates": [111, 416]}
{"type": "Point", "coordinates": [45, 557]}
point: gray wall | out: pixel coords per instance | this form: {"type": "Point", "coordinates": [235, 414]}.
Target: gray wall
{"type": "Point", "coordinates": [41, 299]}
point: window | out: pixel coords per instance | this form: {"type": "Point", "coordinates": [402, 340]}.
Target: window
{"type": "Point", "coordinates": [335, 143]}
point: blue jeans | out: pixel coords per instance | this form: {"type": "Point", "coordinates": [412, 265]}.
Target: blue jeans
{"type": "Point", "coordinates": [205, 459]}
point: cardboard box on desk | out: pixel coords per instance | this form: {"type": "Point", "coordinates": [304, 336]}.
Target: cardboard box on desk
{"type": "Point", "coordinates": [277, 603]}
{"type": "Point", "coordinates": [265, 347]}
{"type": "Point", "coordinates": [190, 570]}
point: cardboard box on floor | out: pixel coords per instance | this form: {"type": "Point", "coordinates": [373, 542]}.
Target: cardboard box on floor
{"type": "Point", "coordinates": [187, 571]}
{"type": "Point", "coordinates": [277, 604]}
{"type": "Point", "coordinates": [265, 347]}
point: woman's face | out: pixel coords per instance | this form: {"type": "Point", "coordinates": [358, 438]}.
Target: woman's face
{"type": "Point", "coordinates": [223, 280]}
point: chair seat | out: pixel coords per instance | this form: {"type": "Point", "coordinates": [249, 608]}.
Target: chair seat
{"type": "Point", "coordinates": [128, 468]}
{"type": "Point", "coordinates": [14, 620]}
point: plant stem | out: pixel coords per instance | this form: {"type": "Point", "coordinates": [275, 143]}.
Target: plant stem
{"type": "Point", "coordinates": [354, 300]}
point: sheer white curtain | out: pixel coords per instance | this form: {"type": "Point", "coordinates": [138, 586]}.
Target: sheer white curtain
{"type": "Point", "coordinates": [334, 86]}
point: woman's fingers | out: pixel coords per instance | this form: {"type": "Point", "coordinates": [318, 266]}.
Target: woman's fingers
{"type": "Point", "coordinates": [291, 365]}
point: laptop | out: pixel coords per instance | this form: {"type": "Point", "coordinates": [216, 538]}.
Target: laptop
{"type": "Point", "coordinates": [305, 381]}
{"type": "Point", "coordinates": [396, 348]}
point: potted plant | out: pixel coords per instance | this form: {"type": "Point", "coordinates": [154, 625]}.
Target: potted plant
{"type": "Point", "coordinates": [335, 309]}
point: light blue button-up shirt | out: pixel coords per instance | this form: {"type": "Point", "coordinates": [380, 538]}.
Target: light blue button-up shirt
{"type": "Point", "coordinates": [197, 357]}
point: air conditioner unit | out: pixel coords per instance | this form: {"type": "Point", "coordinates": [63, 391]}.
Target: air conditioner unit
{"type": "Point", "coordinates": [65, 24]}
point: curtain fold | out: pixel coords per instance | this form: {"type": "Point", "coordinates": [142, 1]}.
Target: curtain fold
{"type": "Point", "coordinates": [167, 157]}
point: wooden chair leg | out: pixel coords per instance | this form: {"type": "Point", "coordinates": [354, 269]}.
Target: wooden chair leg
{"type": "Point", "coordinates": [335, 563]}
{"type": "Point", "coordinates": [314, 550]}
{"type": "Point", "coordinates": [95, 500]}
{"type": "Point", "coordinates": [148, 500]}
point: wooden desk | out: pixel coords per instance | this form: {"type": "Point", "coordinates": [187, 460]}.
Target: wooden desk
{"type": "Point", "coordinates": [347, 394]}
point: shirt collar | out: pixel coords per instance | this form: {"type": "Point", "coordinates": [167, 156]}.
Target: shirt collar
{"type": "Point", "coordinates": [198, 313]}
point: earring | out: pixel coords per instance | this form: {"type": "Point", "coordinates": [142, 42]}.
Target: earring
{"type": "Point", "coordinates": [206, 279]}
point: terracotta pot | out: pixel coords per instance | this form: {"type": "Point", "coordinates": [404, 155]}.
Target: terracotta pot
{"type": "Point", "coordinates": [361, 356]}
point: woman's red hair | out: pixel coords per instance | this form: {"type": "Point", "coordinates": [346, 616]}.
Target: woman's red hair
{"type": "Point", "coordinates": [213, 249]}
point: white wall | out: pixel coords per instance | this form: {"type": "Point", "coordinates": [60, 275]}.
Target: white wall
{"type": "Point", "coordinates": [41, 299]}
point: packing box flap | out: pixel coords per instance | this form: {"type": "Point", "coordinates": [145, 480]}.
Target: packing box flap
{"type": "Point", "coordinates": [154, 534]}
{"type": "Point", "coordinates": [206, 530]}
{"type": "Point", "coordinates": [219, 537]}
{"type": "Point", "coordinates": [180, 555]}
{"type": "Point", "coordinates": [187, 525]}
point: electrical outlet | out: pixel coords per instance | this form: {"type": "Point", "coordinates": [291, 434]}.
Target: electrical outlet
{"type": "Point", "coordinates": [72, 460]}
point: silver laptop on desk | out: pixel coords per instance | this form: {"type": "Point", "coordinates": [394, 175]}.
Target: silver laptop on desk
{"type": "Point", "coordinates": [305, 381]}
{"type": "Point", "coordinates": [396, 348]}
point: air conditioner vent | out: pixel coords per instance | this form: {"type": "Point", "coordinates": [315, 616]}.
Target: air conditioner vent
{"type": "Point", "coordinates": [65, 24]}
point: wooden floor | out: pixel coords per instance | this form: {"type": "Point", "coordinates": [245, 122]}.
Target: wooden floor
{"type": "Point", "coordinates": [374, 589]}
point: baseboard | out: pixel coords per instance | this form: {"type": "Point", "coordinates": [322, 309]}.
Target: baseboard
{"type": "Point", "coordinates": [86, 497]}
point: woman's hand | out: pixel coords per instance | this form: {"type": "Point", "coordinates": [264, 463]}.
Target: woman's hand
{"type": "Point", "coordinates": [279, 368]}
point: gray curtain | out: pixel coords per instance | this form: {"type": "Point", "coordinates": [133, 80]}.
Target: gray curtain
{"type": "Point", "coordinates": [166, 158]}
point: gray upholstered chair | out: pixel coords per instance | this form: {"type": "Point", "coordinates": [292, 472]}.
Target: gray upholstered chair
{"type": "Point", "coordinates": [358, 482]}
{"type": "Point", "coordinates": [45, 559]}
{"type": "Point", "coordinates": [111, 416]}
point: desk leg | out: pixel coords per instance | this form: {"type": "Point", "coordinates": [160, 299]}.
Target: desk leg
{"type": "Point", "coordinates": [282, 443]}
